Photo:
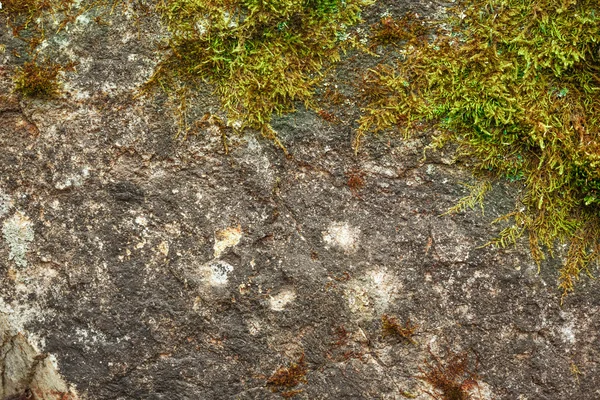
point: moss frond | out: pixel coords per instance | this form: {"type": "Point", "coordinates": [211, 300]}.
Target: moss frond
{"type": "Point", "coordinates": [452, 378]}
{"type": "Point", "coordinates": [390, 326]}
{"type": "Point", "coordinates": [474, 198]}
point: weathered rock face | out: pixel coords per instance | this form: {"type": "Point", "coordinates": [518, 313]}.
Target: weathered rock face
{"type": "Point", "coordinates": [154, 268]}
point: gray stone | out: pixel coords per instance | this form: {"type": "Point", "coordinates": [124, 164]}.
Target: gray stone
{"type": "Point", "coordinates": [162, 268]}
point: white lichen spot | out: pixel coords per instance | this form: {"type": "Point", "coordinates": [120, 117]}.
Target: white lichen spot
{"type": "Point", "coordinates": [141, 220]}
{"type": "Point", "coordinates": [342, 235]}
{"type": "Point", "coordinates": [5, 203]}
{"type": "Point", "coordinates": [90, 337]}
{"type": "Point", "coordinates": [235, 124]}
{"type": "Point", "coordinates": [373, 292]}
{"type": "Point", "coordinates": [72, 180]}
{"type": "Point", "coordinates": [567, 333]}
{"type": "Point", "coordinates": [18, 233]}
{"type": "Point", "coordinates": [82, 20]}
{"type": "Point", "coordinates": [229, 20]}
{"type": "Point", "coordinates": [202, 27]}
{"type": "Point", "coordinates": [226, 238]}
{"type": "Point", "coordinates": [280, 300]}
{"type": "Point", "coordinates": [219, 273]}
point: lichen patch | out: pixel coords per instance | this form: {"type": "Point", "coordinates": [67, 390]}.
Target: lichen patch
{"type": "Point", "coordinates": [219, 273]}
{"type": "Point", "coordinates": [163, 248]}
{"type": "Point", "coordinates": [372, 292]}
{"type": "Point", "coordinates": [343, 236]}
{"type": "Point", "coordinates": [282, 299]}
{"type": "Point", "coordinates": [18, 234]}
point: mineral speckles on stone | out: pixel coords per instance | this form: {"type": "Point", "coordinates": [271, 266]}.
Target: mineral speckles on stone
{"type": "Point", "coordinates": [280, 300]}
{"type": "Point", "coordinates": [358, 300]}
{"type": "Point", "coordinates": [163, 248]}
{"type": "Point", "coordinates": [72, 180]}
{"type": "Point", "coordinates": [449, 243]}
{"type": "Point", "coordinates": [341, 235]}
{"type": "Point", "coordinates": [18, 233]}
{"type": "Point", "coordinates": [567, 331]}
{"type": "Point", "coordinates": [226, 238]}
{"type": "Point", "coordinates": [141, 220]}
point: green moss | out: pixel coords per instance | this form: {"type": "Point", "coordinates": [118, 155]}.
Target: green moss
{"type": "Point", "coordinates": [39, 79]}
{"type": "Point", "coordinates": [29, 19]}
{"type": "Point", "coordinates": [24, 15]}
{"type": "Point", "coordinates": [262, 56]}
{"type": "Point", "coordinates": [516, 85]}
{"type": "Point", "coordinates": [24, 7]}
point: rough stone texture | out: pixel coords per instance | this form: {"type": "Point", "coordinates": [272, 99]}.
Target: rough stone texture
{"type": "Point", "coordinates": [165, 269]}
{"type": "Point", "coordinates": [27, 374]}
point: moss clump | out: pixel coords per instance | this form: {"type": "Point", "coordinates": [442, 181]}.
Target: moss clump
{"type": "Point", "coordinates": [39, 79]}
{"type": "Point", "coordinates": [29, 19]}
{"type": "Point", "coordinates": [14, 7]}
{"type": "Point", "coordinates": [261, 55]}
{"type": "Point", "coordinates": [516, 85]}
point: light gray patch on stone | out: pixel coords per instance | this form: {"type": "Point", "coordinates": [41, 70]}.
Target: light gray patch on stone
{"type": "Point", "coordinates": [342, 236]}
{"type": "Point", "coordinates": [18, 233]}
{"type": "Point", "coordinates": [5, 203]}
{"type": "Point", "coordinates": [282, 299]}
{"type": "Point", "coordinates": [23, 367]}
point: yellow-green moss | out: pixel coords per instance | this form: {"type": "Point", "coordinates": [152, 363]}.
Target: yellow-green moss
{"type": "Point", "coordinates": [516, 85]}
{"type": "Point", "coordinates": [39, 78]}
{"type": "Point", "coordinates": [262, 56]}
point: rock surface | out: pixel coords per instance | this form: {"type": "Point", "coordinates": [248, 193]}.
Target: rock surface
{"type": "Point", "coordinates": [141, 266]}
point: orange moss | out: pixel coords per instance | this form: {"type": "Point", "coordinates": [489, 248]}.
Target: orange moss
{"type": "Point", "coordinates": [286, 378]}
{"type": "Point", "coordinates": [391, 327]}
{"type": "Point", "coordinates": [451, 379]}
{"type": "Point", "coordinates": [409, 28]}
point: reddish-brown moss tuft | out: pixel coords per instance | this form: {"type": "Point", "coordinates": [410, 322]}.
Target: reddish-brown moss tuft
{"type": "Point", "coordinates": [451, 379]}
{"type": "Point", "coordinates": [285, 378]}
{"type": "Point", "coordinates": [391, 327]}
